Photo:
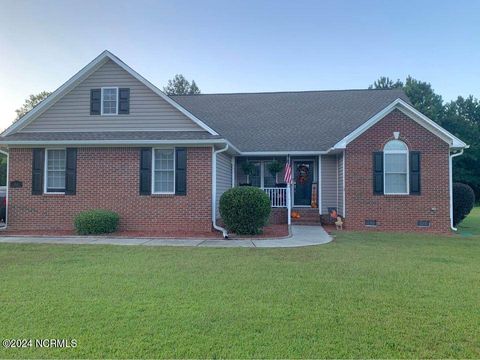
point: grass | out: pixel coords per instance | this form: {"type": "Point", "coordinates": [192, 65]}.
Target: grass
{"type": "Point", "coordinates": [471, 225]}
{"type": "Point", "coordinates": [364, 295]}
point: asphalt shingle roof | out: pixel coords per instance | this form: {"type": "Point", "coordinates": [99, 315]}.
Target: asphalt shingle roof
{"type": "Point", "coordinates": [294, 121]}
{"type": "Point", "coordinates": [110, 135]}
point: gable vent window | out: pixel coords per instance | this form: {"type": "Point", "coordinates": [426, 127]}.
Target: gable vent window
{"type": "Point", "coordinates": [370, 222]}
{"type": "Point", "coordinates": [109, 101]}
{"type": "Point", "coordinates": [55, 161]}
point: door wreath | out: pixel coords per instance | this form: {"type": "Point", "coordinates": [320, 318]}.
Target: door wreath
{"type": "Point", "coordinates": [302, 176]}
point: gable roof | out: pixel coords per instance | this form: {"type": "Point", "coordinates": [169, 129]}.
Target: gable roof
{"type": "Point", "coordinates": [85, 73]}
{"type": "Point", "coordinates": [308, 121]}
{"type": "Point", "coordinates": [295, 121]}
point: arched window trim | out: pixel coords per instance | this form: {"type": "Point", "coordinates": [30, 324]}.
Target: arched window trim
{"type": "Point", "coordinates": [407, 180]}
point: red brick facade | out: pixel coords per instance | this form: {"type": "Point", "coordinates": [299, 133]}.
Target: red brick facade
{"type": "Point", "coordinates": [108, 178]}
{"type": "Point", "coordinates": [397, 212]}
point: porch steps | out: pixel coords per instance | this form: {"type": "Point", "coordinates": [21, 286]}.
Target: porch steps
{"type": "Point", "coordinates": [308, 216]}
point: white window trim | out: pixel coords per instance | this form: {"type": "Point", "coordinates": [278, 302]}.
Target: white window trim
{"type": "Point", "coordinates": [404, 152]}
{"type": "Point", "coordinates": [153, 172]}
{"type": "Point", "coordinates": [101, 101]}
{"type": "Point", "coordinates": [45, 172]}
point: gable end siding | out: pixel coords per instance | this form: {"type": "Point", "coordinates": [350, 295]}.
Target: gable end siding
{"type": "Point", "coordinates": [148, 111]}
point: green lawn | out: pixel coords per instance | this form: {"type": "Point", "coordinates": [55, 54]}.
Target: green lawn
{"type": "Point", "coordinates": [364, 295]}
{"type": "Point", "coordinates": [471, 225]}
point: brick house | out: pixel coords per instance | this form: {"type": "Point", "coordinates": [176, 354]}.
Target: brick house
{"type": "Point", "coordinates": [110, 139]}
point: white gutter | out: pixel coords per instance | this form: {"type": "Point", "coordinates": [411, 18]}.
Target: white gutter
{"type": "Point", "coordinates": [214, 191]}
{"type": "Point", "coordinates": [112, 142]}
{"type": "Point", "coordinates": [450, 175]}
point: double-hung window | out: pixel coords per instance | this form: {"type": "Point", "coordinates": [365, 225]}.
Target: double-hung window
{"type": "Point", "coordinates": [395, 160]}
{"type": "Point", "coordinates": [55, 167]}
{"type": "Point", "coordinates": [163, 171]}
{"type": "Point", "coordinates": [109, 101]}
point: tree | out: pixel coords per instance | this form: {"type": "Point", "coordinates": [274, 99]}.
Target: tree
{"type": "Point", "coordinates": [462, 118]}
{"type": "Point", "coordinates": [181, 86]}
{"type": "Point", "coordinates": [424, 98]}
{"type": "Point", "coordinates": [30, 103]}
{"type": "Point", "coordinates": [385, 82]}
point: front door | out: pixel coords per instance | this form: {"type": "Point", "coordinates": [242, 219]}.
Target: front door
{"type": "Point", "coordinates": [303, 182]}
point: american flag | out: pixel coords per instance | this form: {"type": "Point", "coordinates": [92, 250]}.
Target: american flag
{"type": "Point", "coordinates": [288, 173]}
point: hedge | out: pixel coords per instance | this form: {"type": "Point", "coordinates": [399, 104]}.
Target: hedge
{"type": "Point", "coordinates": [96, 222]}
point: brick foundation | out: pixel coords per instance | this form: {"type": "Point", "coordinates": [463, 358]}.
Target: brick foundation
{"type": "Point", "coordinates": [397, 212]}
{"type": "Point", "coordinates": [278, 216]}
{"type": "Point", "coordinates": [108, 178]}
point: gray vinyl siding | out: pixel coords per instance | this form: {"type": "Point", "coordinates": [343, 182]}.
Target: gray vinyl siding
{"type": "Point", "coordinates": [329, 183]}
{"type": "Point", "coordinates": [148, 111]}
{"type": "Point", "coordinates": [340, 185]}
{"type": "Point", "coordinates": [224, 177]}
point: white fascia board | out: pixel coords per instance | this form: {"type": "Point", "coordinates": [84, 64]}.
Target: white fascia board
{"type": "Point", "coordinates": [84, 73]}
{"type": "Point", "coordinates": [412, 113]}
{"type": "Point", "coordinates": [280, 153]}
{"type": "Point", "coordinates": [113, 142]}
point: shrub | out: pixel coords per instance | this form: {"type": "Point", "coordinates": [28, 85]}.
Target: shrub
{"type": "Point", "coordinates": [245, 210]}
{"type": "Point", "coordinates": [96, 222]}
{"type": "Point", "coordinates": [463, 202]}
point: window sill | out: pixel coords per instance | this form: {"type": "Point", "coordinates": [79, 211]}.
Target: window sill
{"type": "Point", "coordinates": [163, 195]}
{"type": "Point", "coordinates": [54, 194]}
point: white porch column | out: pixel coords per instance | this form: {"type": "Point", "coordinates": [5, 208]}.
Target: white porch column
{"type": "Point", "coordinates": [289, 197]}
{"type": "Point", "coordinates": [289, 205]}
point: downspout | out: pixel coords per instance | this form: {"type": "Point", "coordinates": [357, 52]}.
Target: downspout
{"type": "Point", "coordinates": [214, 191]}
{"type": "Point", "coordinates": [450, 173]}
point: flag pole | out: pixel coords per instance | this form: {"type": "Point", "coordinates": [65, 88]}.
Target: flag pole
{"type": "Point", "coordinates": [289, 198]}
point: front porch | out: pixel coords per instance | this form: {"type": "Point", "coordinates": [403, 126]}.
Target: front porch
{"type": "Point", "coordinates": [316, 189]}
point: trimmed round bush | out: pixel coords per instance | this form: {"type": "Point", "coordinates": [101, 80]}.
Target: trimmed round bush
{"type": "Point", "coordinates": [245, 210]}
{"type": "Point", "coordinates": [96, 222]}
{"type": "Point", "coordinates": [463, 202]}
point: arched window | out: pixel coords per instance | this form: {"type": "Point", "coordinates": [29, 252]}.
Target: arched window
{"type": "Point", "coordinates": [395, 159]}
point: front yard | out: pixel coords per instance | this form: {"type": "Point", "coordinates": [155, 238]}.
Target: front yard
{"type": "Point", "coordinates": [364, 295]}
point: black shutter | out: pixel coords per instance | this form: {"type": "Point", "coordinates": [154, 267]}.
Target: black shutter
{"type": "Point", "coordinates": [180, 171]}
{"type": "Point", "coordinates": [145, 171]}
{"type": "Point", "coordinates": [124, 101]}
{"type": "Point", "coordinates": [38, 163]}
{"type": "Point", "coordinates": [378, 173]}
{"type": "Point", "coordinates": [71, 172]}
{"type": "Point", "coordinates": [415, 173]}
{"type": "Point", "coordinates": [95, 99]}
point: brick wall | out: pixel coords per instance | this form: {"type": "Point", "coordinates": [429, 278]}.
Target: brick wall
{"type": "Point", "coordinates": [108, 178]}
{"type": "Point", "coordinates": [397, 212]}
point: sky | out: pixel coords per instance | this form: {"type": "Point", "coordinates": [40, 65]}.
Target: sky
{"type": "Point", "coordinates": [242, 46]}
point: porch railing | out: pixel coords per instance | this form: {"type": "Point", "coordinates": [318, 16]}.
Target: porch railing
{"type": "Point", "coordinates": [278, 197]}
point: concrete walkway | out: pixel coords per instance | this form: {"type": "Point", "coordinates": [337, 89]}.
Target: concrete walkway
{"type": "Point", "coordinates": [301, 236]}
